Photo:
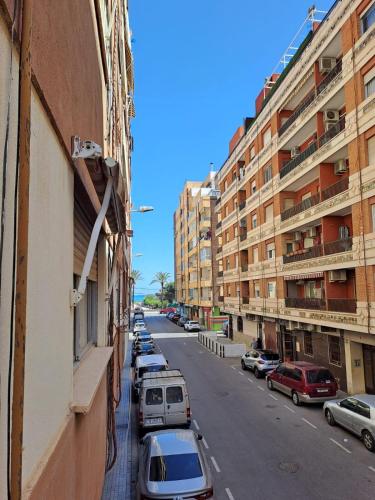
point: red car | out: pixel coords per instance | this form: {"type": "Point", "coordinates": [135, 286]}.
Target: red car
{"type": "Point", "coordinates": [167, 310]}
{"type": "Point", "coordinates": [303, 381]}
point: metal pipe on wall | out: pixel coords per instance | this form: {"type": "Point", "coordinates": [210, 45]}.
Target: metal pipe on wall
{"type": "Point", "coordinates": [22, 252]}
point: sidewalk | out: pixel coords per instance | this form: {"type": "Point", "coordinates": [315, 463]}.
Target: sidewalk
{"type": "Point", "coordinates": [118, 481]}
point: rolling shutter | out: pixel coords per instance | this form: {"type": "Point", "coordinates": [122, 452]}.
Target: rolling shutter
{"type": "Point", "coordinates": [82, 232]}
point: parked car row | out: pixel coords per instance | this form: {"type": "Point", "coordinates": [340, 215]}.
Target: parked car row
{"type": "Point", "coordinates": [307, 383]}
{"type": "Point", "coordinates": [172, 463]}
{"type": "Point", "coordinates": [189, 325]}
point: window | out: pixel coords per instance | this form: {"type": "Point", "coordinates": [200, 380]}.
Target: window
{"type": "Point", "coordinates": [267, 137]}
{"type": "Point", "coordinates": [270, 251]}
{"type": "Point", "coordinates": [175, 467]}
{"type": "Point", "coordinates": [85, 318]}
{"type": "Point", "coordinates": [269, 212]}
{"type": "Point", "coordinates": [252, 152]}
{"type": "Point", "coordinates": [174, 395]}
{"type": "Point", "coordinates": [256, 290]}
{"type": "Point", "coordinates": [369, 81]}
{"type": "Point", "coordinates": [254, 221]}
{"type": "Point", "coordinates": [363, 409]}
{"type": "Point", "coordinates": [271, 289]}
{"type": "Point", "coordinates": [349, 404]}
{"type": "Point", "coordinates": [334, 350]}
{"type": "Point", "coordinates": [228, 263]}
{"type": "Point", "coordinates": [310, 290]}
{"type": "Point", "coordinates": [239, 324]}
{"type": "Point", "coordinates": [154, 396]}
{"type": "Point", "coordinates": [289, 247]}
{"type": "Point", "coordinates": [253, 187]}
{"type": "Point", "coordinates": [368, 19]}
{"type": "Point", "coordinates": [267, 174]}
{"type": "Point", "coordinates": [373, 216]}
{"type": "Point", "coordinates": [371, 150]}
{"type": "Point", "coordinates": [235, 231]}
{"type": "Point", "coordinates": [321, 376]}
{"type": "Point", "coordinates": [255, 255]}
{"type": "Point", "coordinates": [307, 343]}
{"type": "Point", "coordinates": [236, 261]}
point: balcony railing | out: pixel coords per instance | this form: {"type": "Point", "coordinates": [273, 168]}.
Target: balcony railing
{"type": "Point", "coordinates": [342, 305]}
{"type": "Point", "coordinates": [243, 236]}
{"type": "Point", "coordinates": [304, 303]}
{"type": "Point", "coordinates": [219, 249]}
{"type": "Point", "coordinates": [242, 205]}
{"type": "Point", "coordinates": [244, 268]}
{"type": "Point", "coordinates": [327, 193]}
{"type": "Point", "coordinates": [314, 146]}
{"type": "Point", "coordinates": [305, 103]}
{"type": "Point", "coordinates": [329, 248]}
{"type": "Point", "coordinates": [218, 201]}
{"type": "Point", "coordinates": [245, 300]}
{"type": "Point", "coordinates": [218, 225]}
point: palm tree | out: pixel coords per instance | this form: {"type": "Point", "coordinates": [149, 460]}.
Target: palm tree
{"type": "Point", "coordinates": [161, 278]}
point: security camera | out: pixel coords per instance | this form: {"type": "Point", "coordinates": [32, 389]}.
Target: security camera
{"type": "Point", "coordinates": [85, 149]}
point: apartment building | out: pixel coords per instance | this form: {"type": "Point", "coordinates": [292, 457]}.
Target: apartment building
{"type": "Point", "coordinates": [296, 216]}
{"type": "Point", "coordinates": [195, 269]}
{"type": "Point", "coordinates": [64, 246]}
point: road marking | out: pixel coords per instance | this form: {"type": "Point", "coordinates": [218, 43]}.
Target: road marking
{"type": "Point", "coordinates": [217, 468]}
{"type": "Point", "coordinates": [372, 468]}
{"type": "Point", "coordinates": [309, 423]}
{"type": "Point", "coordinates": [196, 424]}
{"type": "Point", "coordinates": [205, 443]}
{"type": "Point", "coordinates": [273, 397]}
{"type": "Point", "coordinates": [241, 374]}
{"type": "Point", "coordinates": [340, 445]}
{"type": "Point", "coordinates": [228, 492]}
{"type": "Point", "coordinates": [249, 379]}
{"type": "Point", "coordinates": [184, 343]}
{"type": "Point", "coordinates": [260, 388]}
{"type": "Point", "coordinates": [288, 408]}
{"type": "Point", "coordinates": [233, 368]}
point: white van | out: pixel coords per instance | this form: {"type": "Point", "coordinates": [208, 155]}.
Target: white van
{"type": "Point", "coordinates": [146, 364]}
{"type": "Point", "coordinates": [164, 400]}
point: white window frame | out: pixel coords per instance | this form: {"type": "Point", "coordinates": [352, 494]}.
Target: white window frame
{"type": "Point", "coordinates": [369, 83]}
{"type": "Point", "coordinates": [267, 137]}
{"type": "Point", "coordinates": [271, 289]}
{"type": "Point", "coordinates": [270, 251]}
{"type": "Point", "coordinates": [268, 212]}
{"type": "Point", "coordinates": [267, 174]}
{"type": "Point", "coordinates": [371, 150]}
{"type": "Point", "coordinates": [364, 15]}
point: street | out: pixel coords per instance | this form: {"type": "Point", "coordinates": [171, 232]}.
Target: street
{"type": "Point", "coordinates": [258, 443]}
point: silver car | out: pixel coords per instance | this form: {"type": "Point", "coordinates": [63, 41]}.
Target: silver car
{"type": "Point", "coordinates": [355, 413]}
{"type": "Point", "coordinates": [172, 464]}
{"type": "Point", "coordinates": [260, 361]}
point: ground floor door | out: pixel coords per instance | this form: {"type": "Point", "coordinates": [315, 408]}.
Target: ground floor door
{"type": "Point", "coordinates": [289, 349]}
{"type": "Point", "coordinates": [369, 367]}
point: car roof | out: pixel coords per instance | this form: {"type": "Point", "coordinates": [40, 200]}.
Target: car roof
{"type": "Point", "coordinates": [170, 442]}
{"type": "Point", "coordinates": [365, 398]}
{"type": "Point", "coordinates": [151, 359]}
{"type": "Point", "coordinates": [305, 365]}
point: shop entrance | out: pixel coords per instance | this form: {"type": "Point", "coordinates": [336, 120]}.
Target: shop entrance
{"type": "Point", "coordinates": [369, 368]}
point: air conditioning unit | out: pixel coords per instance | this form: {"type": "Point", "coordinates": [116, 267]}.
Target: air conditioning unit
{"type": "Point", "coordinates": [295, 151]}
{"type": "Point", "coordinates": [331, 115]}
{"type": "Point", "coordinates": [311, 232]}
{"type": "Point", "coordinates": [339, 275]}
{"type": "Point", "coordinates": [340, 167]}
{"type": "Point", "coordinates": [326, 64]}
{"type": "Point", "coordinates": [297, 236]}
{"type": "Point", "coordinates": [330, 124]}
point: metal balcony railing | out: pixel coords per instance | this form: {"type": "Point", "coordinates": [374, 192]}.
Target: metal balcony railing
{"type": "Point", "coordinates": [337, 305]}
{"type": "Point", "coordinates": [342, 305]}
{"type": "Point", "coordinates": [218, 225]}
{"type": "Point", "coordinates": [329, 248]}
{"type": "Point", "coordinates": [332, 132]}
{"type": "Point", "coordinates": [317, 198]}
{"type": "Point", "coordinates": [330, 76]}
{"type": "Point", "coordinates": [243, 236]}
{"type": "Point", "coordinates": [304, 303]}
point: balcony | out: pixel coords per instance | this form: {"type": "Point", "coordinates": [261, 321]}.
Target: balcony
{"type": "Point", "coordinates": [242, 205]}
{"type": "Point", "coordinates": [220, 274]}
{"type": "Point", "coordinates": [342, 305]}
{"type": "Point", "coordinates": [219, 249]}
{"type": "Point", "coordinates": [334, 305]}
{"type": "Point", "coordinates": [314, 146]}
{"type": "Point", "coordinates": [330, 192]}
{"type": "Point", "coordinates": [244, 268]}
{"type": "Point", "coordinates": [305, 303]}
{"type": "Point", "coordinates": [220, 298]}
{"type": "Point", "coordinates": [329, 248]}
{"type": "Point", "coordinates": [243, 236]}
{"type": "Point", "coordinates": [218, 225]}
{"type": "Point", "coordinates": [310, 98]}
{"type": "Point", "coordinates": [245, 300]}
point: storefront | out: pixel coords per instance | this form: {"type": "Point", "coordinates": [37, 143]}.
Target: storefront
{"type": "Point", "coordinates": [369, 367]}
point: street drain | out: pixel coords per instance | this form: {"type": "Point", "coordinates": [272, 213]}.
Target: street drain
{"type": "Point", "coordinates": [290, 467]}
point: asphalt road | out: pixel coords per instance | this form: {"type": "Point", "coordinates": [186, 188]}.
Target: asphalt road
{"type": "Point", "coordinates": [258, 443]}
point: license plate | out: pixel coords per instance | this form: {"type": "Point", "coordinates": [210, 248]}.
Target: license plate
{"type": "Point", "coordinates": [153, 421]}
{"type": "Point", "coordinates": [322, 390]}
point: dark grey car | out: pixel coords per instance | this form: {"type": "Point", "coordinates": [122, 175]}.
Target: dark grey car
{"type": "Point", "coordinates": [172, 464]}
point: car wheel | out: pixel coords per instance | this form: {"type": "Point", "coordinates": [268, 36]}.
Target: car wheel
{"type": "Point", "coordinates": [330, 418]}
{"type": "Point", "coordinates": [270, 384]}
{"type": "Point", "coordinates": [257, 373]}
{"type": "Point", "coordinates": [295, 398]}
{"type": "Point", "coordinates": [368, 440]}
{"type": "Point", "coordinates": [243, 366]}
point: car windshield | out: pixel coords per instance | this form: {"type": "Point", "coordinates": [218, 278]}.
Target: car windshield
{"type": "Point", "coordinates": [175, 467]}
{"type": "Point", "coordinates": [148, 369]}
{"type": "Point", "coordinates": [270, 356]}
{"type": "Point", "coordinates": [194, 323]}
{"type": "Point", "coordinates": [318, 376]}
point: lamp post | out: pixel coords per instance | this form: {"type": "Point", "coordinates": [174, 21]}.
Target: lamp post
{"type": "Point", "coordinates": [142, 209]}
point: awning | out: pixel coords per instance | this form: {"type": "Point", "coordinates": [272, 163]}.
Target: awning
{"type": "Point", "coordinates": [304, 276]}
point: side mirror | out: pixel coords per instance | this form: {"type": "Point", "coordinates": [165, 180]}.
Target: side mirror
{"type": "Point", "coordinates": [199, 437]}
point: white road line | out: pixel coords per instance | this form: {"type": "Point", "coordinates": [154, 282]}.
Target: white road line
{"type": "Point", "coordinates": [233, 368]}
{"type": "Point", "coordinates": [205, 443]}
{"type": "Point", "coordinates": [273, 397]}
{"type": "Point", "coordinates": [249, 379]}
{"type": "Point", "coordinates": [217, 468]}
{"type": "Point", "coordinates": [260, 388]}
{"type": "Point", "coordinates": [241, 374]}
{"type": "Point", "coordinates": [288, 408]}
{"type": "Point", "coordinates": [371, 468]}
{"type": "Point", "coordinates": [340, 445]}
{"type": "Point", "coordinates": [229, 493]}
{"type": "Point", "coordinates": [196, 424]}
{"type": "Point", "coordinates": [309, 423]}
{"type": "Point", "coordinates": [184, 343]}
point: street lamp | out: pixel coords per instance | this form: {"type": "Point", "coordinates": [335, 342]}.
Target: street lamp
{"type": "Point", "coordinates": [138, 255]}
{"type": "Point", "coordinates": [142, 209]}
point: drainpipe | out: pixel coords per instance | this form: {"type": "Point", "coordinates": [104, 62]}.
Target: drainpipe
{"type": "Point", "coordinates": [24, 102]}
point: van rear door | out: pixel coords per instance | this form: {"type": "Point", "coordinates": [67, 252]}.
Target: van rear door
{"type": "Point", "coordinates": [175, 404]}
{"type": "Point", "coordinates": [153, 407]}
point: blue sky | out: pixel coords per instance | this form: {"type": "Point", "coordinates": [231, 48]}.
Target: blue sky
{"type": "Point", "coordinates": [198, 67]}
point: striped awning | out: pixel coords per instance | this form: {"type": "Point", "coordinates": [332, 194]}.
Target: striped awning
{"type": "Point", "coordinates": [309, 276]}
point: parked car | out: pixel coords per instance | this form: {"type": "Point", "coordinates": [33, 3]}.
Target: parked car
{"type": "Point", "coordinates": [303, 381]}
{"type": "Point", "coordinates": [142, 349]}
{"type": "Point", "coordinates": [146, 364]}
{"type": "Point", "coordinates": [138, 315]}
{"type": "Point", "coordinates": [170, 314]}
{"type": "Point", "coordinates": [139, 326]}
{"type": "Point", "coordinates": [146, 339]}
{"type": "Point", "coordinates": [175, 317]}
{"type": "Point", "coordinates": [355, 413]}
{"type": "Point", "coordinates": [163, 400]}
{"type": "Point", "coordinates": [167, 310]}
{"type": "Point", "coordinates": [192, 326]}
{"type": "Point", "coordinates": [182, 321]}
{"type": "Point", "coordinates": [260, 361]}
{"type": "Point", "coordinates": [172, 464]}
